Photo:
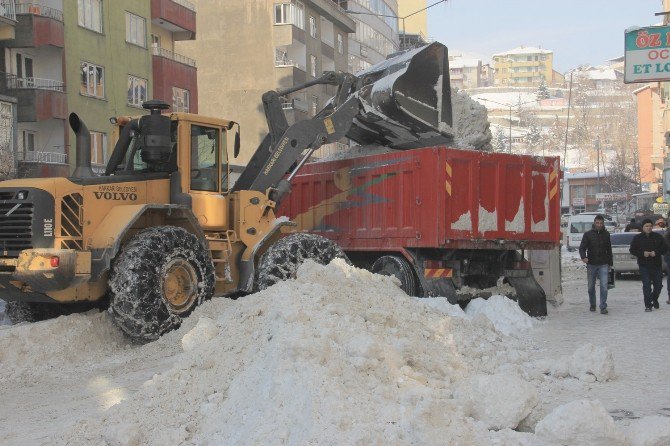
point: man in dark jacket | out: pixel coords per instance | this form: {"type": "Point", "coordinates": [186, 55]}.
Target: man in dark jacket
{"type": "Point", "coordinates": [596, 251]}
{"type": "Point", "coordinates": [649, 247]}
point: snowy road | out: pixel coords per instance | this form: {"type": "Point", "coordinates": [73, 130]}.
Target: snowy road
{"type": "Point", "coordinates": [638, 340]}
{"type": "Point", "coordinates": [59, 379]}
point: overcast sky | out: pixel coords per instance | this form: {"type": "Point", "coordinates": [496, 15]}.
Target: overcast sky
{"type": "Point", "coordinates": [577, 31]}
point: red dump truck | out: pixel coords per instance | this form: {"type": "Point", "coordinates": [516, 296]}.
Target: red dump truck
{"type": "Point", "coordinates": [444, 221]}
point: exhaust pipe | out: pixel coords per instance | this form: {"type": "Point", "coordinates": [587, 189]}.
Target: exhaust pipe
{"type": "Point", "coordinates": [83, 147]}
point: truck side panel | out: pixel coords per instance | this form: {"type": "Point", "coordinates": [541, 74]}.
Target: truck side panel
{"type": "Point", "coordinates": [428, 198]}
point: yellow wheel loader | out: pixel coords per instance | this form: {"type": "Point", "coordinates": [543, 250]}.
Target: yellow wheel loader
{"type": "Point", "coordinates": [162, 230]}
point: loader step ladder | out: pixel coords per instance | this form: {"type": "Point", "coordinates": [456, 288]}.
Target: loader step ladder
{"type": "Point", "coordinates": [221, 250]}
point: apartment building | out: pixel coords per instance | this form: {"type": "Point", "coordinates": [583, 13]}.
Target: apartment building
{"type": "Point", "coordinates": [465, 72]}
{"type": "Point", "coordinates": [8, 104]}
{"type": "Point", "coordinates": [652, 125]}
{"type": "Point", "coordinates": [107, 66]}
{"type": "Point", "coordinates": [98, 58]}
{"type": "Point", "coordinates": [33, 77]}
{"type": "Point", "coordinates": [412, 23]}
{"type": "Point", "coordinates": [376, 32]}
{"type": "Point", "coordinates": [525, 66]}
{"type": "Point", "coordinates": [175, 76]}
{"type": "Point", "coordinates": [247, 47]}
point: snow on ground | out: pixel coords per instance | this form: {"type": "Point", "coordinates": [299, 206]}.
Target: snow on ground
{"type": "Point", "coordinates": [342, 354]}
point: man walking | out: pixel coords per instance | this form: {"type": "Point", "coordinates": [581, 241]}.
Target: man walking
{"type": "Point", "coordinates": [649, 247]}
{"type": "Point", "coordinates": [596, 251]}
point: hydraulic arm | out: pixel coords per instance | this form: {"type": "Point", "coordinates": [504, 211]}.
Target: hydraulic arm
{"type": "Point", "coordinates": [403, 102]}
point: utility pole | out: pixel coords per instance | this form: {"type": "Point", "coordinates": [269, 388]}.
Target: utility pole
{"type": "Point", "coordinates": [597, 144]}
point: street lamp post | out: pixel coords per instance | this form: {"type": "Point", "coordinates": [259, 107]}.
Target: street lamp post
{"type": "Point", "coordinates": [510, 115]}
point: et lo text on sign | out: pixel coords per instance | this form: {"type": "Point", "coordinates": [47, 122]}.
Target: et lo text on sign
{"type": "Point", "coordinates": [647, 54]}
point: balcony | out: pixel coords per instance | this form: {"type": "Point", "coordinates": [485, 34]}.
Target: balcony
{"type": "Point", "coordinates": [282, 61]}
{"type": "Point", "coordinates": [38, 25]}
{"type": "Point", "coordinates": [174, 70]}
{"type": "Point", "coordinates": [7, 19]}
{"type": "Point", "coordinates": [162, 52]}
{"type": "Point", "coordinates": [38, 99]}
{"type": "Point", "coordinates": [42, 157]}
{"type": "Point", "coordinates": [177, 16]}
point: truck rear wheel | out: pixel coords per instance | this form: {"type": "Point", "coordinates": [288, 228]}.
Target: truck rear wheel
{"type": "Point", "coordinates": [401, 269]}
{"type": "Point", "coordinates": [158, 278]}
{"type": "Point", "coordinates": [282, 260]}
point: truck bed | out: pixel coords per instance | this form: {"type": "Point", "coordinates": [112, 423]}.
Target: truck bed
{"type": "Point", "coordinates": [434, 197]}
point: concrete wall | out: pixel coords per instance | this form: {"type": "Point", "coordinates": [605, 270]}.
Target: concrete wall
{"type": "Point", "coordinates": [110, 50]}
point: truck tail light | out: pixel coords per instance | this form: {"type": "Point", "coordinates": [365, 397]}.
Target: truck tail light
{"type": "Point", "coordinates": [55, 261]}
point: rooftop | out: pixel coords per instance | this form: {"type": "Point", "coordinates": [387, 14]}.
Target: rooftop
{"type": "Point", "coordinates": [524, 50]}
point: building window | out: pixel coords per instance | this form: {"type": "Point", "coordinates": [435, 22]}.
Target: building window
{"type": "Point", "coordinates": [315, 104]}
{"type": "Point", "coordinates": [24, 71]}
{"type": "Point", "coordinates": [92, 80]}
{"type": "Point", "coordinates": [98, 148]}
{"type": "Point", "coordinates": [312, 65]}
{"type": "Point", "coordinates": [180, 100]}
{"type": "Point", "coordinates": [136, 30]}
{"type": "Point", "coordinates": [155, 41]}
{"type": "Point", "coordinates": [90, 14]}
{"type": "Point", "coordinates": [28, 138]}
{"type": "Point", "coordinates": [290, 13]}
{"type": "Point", "coordinates": [312, 26]}
{"type": "Point", "coordinates": [340, 44]}
{"type": "Point", "coordinates": [137, 91]}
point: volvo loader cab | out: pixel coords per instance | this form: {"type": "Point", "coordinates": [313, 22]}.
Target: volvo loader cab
{"type": "Point", "coordinates": [161, 230]}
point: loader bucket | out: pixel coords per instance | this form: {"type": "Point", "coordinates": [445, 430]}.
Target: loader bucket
{"type": "Point", "coordinates": [406, 100]}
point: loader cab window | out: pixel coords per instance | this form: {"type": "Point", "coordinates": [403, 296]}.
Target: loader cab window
{"type": "Point", "coordinates": [204, 158]}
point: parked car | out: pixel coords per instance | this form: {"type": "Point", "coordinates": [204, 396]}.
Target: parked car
{"type": "Point", "coordinates": [580, 223]}
{"type": "Point", "coordinates": [624, 261]}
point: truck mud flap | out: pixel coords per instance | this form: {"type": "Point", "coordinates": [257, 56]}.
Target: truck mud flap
{"type": "Point", "coordinates": [529, 295]}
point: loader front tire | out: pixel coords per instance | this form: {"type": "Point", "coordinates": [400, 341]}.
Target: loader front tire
{"type": "Point", "coordinates": [158, 278]}
{"type": "Point", "coordinates": [282, 260]}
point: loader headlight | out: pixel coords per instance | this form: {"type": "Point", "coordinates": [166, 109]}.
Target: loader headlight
{"type": "Point", "coordinates": [21, 195]}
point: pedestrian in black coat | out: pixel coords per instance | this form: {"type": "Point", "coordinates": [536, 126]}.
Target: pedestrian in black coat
{"type": "Point", "coordinates": [649, 247]}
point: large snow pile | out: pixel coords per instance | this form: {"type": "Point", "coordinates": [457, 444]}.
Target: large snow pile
{"type": "Point", "coordinates": [338, 353]}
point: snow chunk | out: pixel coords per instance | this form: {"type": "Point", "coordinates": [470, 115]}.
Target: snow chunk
{"type": "Point", "coordinates": [464, 222]}
{"type": "Point", "coordinates": [205, 330]}
{"type": "Point", "coordinates": [649, 431]}
{"type": "Point", "coordinates": [590, 360]}
{"type": "Point", "coordinates": [471, 122]}
{"type": "Point", "coordinates": [504, 313]}
{"type": "Point", "coordinates": [500, 401]}
{"type": "Point", "coordinates": [488, 221]}
{"type": "Point", "coordinates": [517, 223]}
{"type": "Point", "coordinates": [582, 422]}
